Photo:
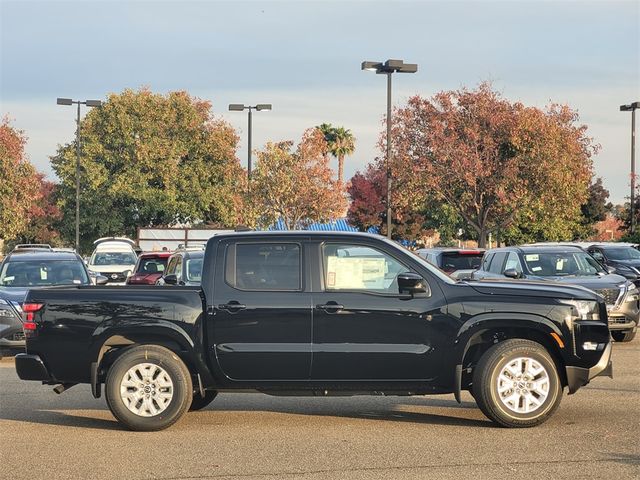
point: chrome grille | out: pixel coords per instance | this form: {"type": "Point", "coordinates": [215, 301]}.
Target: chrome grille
{"type": "Point", "coordinates": [610, 295]}
{"type": "Point", "coordinates": [114, 276]}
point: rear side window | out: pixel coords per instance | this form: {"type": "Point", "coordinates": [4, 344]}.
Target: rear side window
{"type": "Point", "coordinates": [497, 262]}
{"type": "Point", "coordinates": [263, 266]}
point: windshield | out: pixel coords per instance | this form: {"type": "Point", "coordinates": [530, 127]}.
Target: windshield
{"type": "Point", "coordinates": [194, 269]}
{"type": "Point", "coordinates": [113, 258]}
{"type": "Point", "coordinates": [151, 265]}
{"type": "Point", "coordinates": [43, 273]}
{"type": "Point", "coordinates": [622, 253]}
{"type": "Point", "coordinates": [562, 264]}
{"type": "Point", "coordinates": [460, 261]}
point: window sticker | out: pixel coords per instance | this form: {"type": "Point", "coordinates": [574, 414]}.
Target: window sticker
{"type": "Point", "coordinates": [536, 269]}
{"type": "Point", "coordinates": [355, 273]}
{"type": "Point", "coordinates": [532, 257]}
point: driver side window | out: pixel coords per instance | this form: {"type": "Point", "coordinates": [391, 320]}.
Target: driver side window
{"type": "Point", "coordinates": [361, 268]}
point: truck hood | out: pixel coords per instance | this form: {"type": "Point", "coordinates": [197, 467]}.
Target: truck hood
{"type": "Point", "coordinates": [531, 288]}
{"type": "Point", "coordinates": [592, 283]}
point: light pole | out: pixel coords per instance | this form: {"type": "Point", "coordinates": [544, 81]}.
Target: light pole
{"type": "Point", "coordinates": [632, 107]}
{"type": "Point", "coordinates": [388, 68]}
{"type": "Point", "coordinates": [88, 103]}
{"type": "Point", "coordinates": [238, 107]}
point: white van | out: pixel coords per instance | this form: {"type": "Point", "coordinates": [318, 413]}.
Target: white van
{"type": "Point", "coordinates": [113, 257]}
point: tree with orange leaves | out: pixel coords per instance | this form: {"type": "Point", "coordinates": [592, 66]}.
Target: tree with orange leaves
{"type": "Point", "coordinates": [295, 186]}
{"type": "Point", "coordinates": [20, 186]}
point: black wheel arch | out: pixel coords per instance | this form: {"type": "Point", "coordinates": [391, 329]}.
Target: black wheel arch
{"type": "Point", "coordinates": [478, 336]}
{"type": "Point", "coordinates": [112, 343]}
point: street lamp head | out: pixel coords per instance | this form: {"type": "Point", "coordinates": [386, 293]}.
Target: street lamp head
{"type": "Point", "coordinates": [93, 103]}
{"type": "Point", "coordinates": [630, 107]}
{"type": "Point", "coordinates": [408, 68]}
{"type": "Point", "coordinates": [64, 101]}
{"type": "Point", "coordinates": [263, 106]}
{"type": "Point", "coordinates": [371, 66]}
{"type": "Point", "coordinates": [390, 66]}
{"type": "Point", "coordinates": [236, 107]}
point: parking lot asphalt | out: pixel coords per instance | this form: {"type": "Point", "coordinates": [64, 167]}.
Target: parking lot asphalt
{"type": "Point", "coordinates": [594, 434]}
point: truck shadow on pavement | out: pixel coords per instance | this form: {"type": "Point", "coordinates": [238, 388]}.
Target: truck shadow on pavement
{"type": "Point", "coordinates": [94, 414]}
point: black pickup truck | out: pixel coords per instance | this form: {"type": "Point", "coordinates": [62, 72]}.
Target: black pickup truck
{"type": "Point", "coordinates": [317, 313]}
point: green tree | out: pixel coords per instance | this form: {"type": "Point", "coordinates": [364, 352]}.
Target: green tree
{"type": "Point", "coordinates": [20, 185]}
{"type": "Point", "coordinates": [150, 160]}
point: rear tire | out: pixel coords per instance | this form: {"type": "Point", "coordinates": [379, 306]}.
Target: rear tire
{"type": "Point", "coordinates": [148, 388]}
{"type": "Point", "coordinates": [623, 335]}
{"type": "Point", "coordinates": [516, 384]}
{"type": "Point", "coordinates": [199, 402]}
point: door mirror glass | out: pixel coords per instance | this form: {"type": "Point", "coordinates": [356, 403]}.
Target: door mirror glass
{"type": "Point", "coordinates": [171, 279]}
{"type": "Point", "coordinates": [511, 273]}
{"type": "Point", "coordinates": [412, 283]}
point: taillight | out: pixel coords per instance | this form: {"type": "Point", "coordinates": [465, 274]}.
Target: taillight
{"type": "Point", "coordinates": [28, 325]}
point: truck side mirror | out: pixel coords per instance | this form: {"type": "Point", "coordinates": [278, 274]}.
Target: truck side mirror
{"type": "Point", "coordinates": [412, 283]}
{"type": "Point", "coordinates": [511, 273]}
{"type": "Point", "coordinates": [171, 279]}
{"type": "Point", "coordinates": [101, 280]}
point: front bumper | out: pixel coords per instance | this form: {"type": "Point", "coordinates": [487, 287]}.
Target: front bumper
{"type": "Point", "coordinates": [621, 322]}
{"type": "Point", "coordinates": [31, 367]}
{"type": "Point", "coordinates": [578, 377]}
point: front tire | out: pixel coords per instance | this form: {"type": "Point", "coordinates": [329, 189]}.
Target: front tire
{"type": "Point", "coordinates": [516, 384]}
{"type": "Point", "coordinates": [623, 335]}
{"type": "Point", "coordinates": [148, 388]}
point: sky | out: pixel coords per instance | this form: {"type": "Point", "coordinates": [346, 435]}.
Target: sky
{"type": "Point", "coordinates": [304, 58]}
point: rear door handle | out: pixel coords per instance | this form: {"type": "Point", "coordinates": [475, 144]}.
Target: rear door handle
{"type": "Point", "coordinates": [232, 307]}
{"type": "Point", "coordinates": [331, 307]}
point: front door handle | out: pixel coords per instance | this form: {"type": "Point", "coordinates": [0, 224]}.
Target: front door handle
{"type": "Point", "coordinates": [232, 306]}
{"type": "Point", "coordinates": [330, 307]}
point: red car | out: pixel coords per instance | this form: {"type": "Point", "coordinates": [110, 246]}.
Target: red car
{"type": "Point", "coordinates": [149, 268]}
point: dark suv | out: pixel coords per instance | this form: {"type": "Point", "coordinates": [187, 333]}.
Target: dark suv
{"type": "Point", "coordinates": [621, 256]}
{"type": "Point", "coordinates": [571, 265]}
{"type": "Point", "coordinates": [184, 267]}
{"type": "Point", "coordinates": [28, 267]}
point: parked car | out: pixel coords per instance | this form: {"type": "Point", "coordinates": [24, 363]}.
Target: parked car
{"type": "Point", "coordinates": [623, 257]}
{"type": "Point", "coordinates": [571, 265]}
{"type": "Point", "coordinates": [457, 262]}
{"type": "Point", "coordinates": [30, 268]}
{"type": "Point", "coordinates": [184, 267]}
{"type": "Point", "coordinates": [114, 258]}
{"type": "Point", "coordinates": [317, 313]}
{"type": "Point", "coordinates": [149, 268]}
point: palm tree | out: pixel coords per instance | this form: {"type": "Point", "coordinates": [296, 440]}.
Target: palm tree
{"type": "Point", "coordinates": [344, 143]}
{"type": "Point", "coordinates": [327, 130]}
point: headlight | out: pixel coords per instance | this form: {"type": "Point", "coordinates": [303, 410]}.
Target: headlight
{"type": "Point", "coordinates": [583, 309]}
{"type": "Point", "coordinates": [633, 295]}
{"type": "Point", "coordinates": [127, 273]}
{"type": "Point", "coordinates": [6, 310]}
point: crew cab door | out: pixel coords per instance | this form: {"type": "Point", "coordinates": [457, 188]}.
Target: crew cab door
{"type": "Point", "coordinates": [260, 327]}
{"type": "Point", "coordinates": [363, 329]}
